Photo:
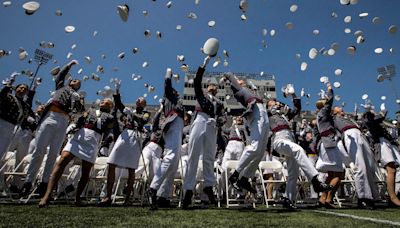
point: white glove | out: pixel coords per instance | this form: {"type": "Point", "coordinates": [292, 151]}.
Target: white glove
{"type": "Point", "coordinates": [127, 111]}
{"type": "Point", "coordinates": [383, 108]}
{"type": "Point", "coordinates": [37, 82]}
{"type": "Point", "coordinates": [6, 81]}
{"type": "Point", "coordinates": [104, 151]}
{"type": "Point", "coordinates": [290, 89]}
{"type": "Point", "coordinates": [13, 76]}
{"type": "Point", "coordinates": [302, 93]}
{"type": "Point", "coordinates": [117, 84]}
{"type": "Point", "coordinates": [206, 61]}
{"type": "Point", "coordinates": [168, 74]}
{"type": "Point", "coordinates": [70, 128]}
{"type": "Point", "coordinates": [30, 120]}
{"type": "Point", "coordinates": [73, 62]}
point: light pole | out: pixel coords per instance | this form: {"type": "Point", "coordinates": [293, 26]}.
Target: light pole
{"type": "Point", "coordinates": [41, 57]}
{"type": "Point", "coordinates": [388, 72]}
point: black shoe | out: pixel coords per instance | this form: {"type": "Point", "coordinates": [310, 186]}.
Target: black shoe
{"type": "Point", "coordinates": [392, 205]}
{"type": "Point", "coordinates": [152, 196]}
{"type": "Point", "coordinates": [162, 202]}
{"type": "Point", "coordinates": [244, 183]}
{"type": "Point", "coordinates": [41, 189]}
{"type": "Point", "coordinates": [320, 204]}
{"type": "Point", "coordinates": [187, 200]}
{"type": "Point", "coordinates": [13, 189]}
{"type": "Point", "coordinates": [367, 204]}
{"type": "Point", "coordinates": [288, 204]}
{"type": "Point", "coordinates": [210, 193]}
{"type": "Point", "coordinates": [105, 202]}
{"type": "Point", "coordinates": [26, 189]}
{"type": "Point", "coordinates": [233, 179]}
{"type": "Point", "coordinates": [319, 186]}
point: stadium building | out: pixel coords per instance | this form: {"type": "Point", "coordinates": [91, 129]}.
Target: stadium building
{"type": "Point", "coordinates": [265, 88]}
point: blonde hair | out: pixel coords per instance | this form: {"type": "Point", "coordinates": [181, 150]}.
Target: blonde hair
{"type": "Point", "coordinates": [320, 103]}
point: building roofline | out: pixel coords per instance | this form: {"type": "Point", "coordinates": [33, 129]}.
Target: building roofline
{"type": "Point", "coordinates": [247, 75]}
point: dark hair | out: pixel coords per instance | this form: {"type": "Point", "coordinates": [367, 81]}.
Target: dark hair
{"type": "Point", "coordinates": [22, 84]}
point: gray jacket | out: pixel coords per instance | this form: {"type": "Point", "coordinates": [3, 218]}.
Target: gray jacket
{"type": "Point", "coordinates": [243, 95]}
{"type": "Point", "coordinates": [173, 107]}
{"type": "Point", "coordinates": [65, 97]}
{"type": "Point", "coordinates": [325, 123]}
{"type": "Point", "coordinates": [208, 104]}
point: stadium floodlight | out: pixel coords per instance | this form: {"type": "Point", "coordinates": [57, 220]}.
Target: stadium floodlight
{"type": "Point", "coordinates": [388, 72]}
{"type": "Point", "coordinates": [41, 58]}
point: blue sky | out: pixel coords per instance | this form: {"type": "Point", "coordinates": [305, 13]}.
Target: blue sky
{"type": "Point", "coordinates": [242, 39]}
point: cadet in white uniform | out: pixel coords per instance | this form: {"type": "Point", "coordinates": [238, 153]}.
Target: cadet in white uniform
{"type": "Point", "coordinates": [53, 125]}
{"type": "Point", "coordinates": [171, 127]}
{"type": "Point", "coordinates": [283, 142]}
{"type": "Point", "coordinates": [90, 128]}
{"type": "Point", "coordinates": [361, 155]}
{"type": "Point", "coordinates": [387, 150]}
{"type": "Point", "coordinates": [202, 139]}
{"type": "Point", "coordinates": [257, 123]}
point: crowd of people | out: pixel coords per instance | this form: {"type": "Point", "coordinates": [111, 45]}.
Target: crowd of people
{"type": "Point", "coordinates": [319, 149]}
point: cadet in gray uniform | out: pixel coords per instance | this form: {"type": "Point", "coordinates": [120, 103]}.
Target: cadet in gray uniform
{"type": "Point", "coordinates": [202, 138]}
{"type": "Point", "coordinates": [386, 147]}
{"type": "Point", "coordinates": [237, 140]}
{"type": "Point", "coordinates": [172, 133]}
{"type": "Point", "coordinates": [360, 153]}
{"type": "Point", "coordinates": [257, 123]}
{"type": "Point", "coordinates": [90, 128]}
{"type": "Point", "coordinates": [331, 157]}
{"type": "Point", "coordinates": [23, 135]}
{"type": "Point", "coordinates": [13, 111]}
{"type": "Point", "coordinates": [153, 149]}
{"type": "Point", "coordinates": [283, 142]}
{"type": "Point", "coordinates": [54, 123]}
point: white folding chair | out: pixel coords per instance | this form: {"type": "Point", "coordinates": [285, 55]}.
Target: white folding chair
{"type": "Point", "coordinates": [348, 180]}
{"type": "Point", "coordinates": [8, 162]}
{"type": "Point", "coordinates": [275, 166]}
{"type": "Point", "coordinates": [69, 175]}
{"type": "Point", "coordinates": [98, 175]}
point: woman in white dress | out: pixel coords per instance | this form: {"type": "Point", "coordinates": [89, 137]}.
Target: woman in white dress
{"type": "Point", "coordinates": [127, 149]}
{"type": "Point", "coordinates": [90, 128]}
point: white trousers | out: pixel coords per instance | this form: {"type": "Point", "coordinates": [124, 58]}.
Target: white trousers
{"type": "Point", "coordinates": [169, 164]}
{"type": "Point", "coordinates": [295, 157]}
{"type": "Point", "coordinates": [389, 152]}
{"type": "Point", "coordinates": [233, 151]}
{"type": "Point", "coordinates": [51, 132]}
{"type": "Point", "coordinates": [152, 157]}
{"type": "Point", "coordinates": [6, 136]}
{"type": "Point", "coordinates": [20, 144]}
{"type": "Point", "coordinates": [365, 165]}
{"type": "Point", "coordinates": [258, 124]}
{"type": "Point", "coordinates": [202, 142]}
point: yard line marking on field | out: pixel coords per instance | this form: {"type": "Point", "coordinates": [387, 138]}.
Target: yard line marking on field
{"type": "Point", "coordinates": [360, 218]}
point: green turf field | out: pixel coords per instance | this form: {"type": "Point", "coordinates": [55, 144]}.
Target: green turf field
{"type": "Point", "coordinates": [69, 216]}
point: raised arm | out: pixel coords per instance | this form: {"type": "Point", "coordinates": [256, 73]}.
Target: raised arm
{"type": "Point", "coordinates": [168, 90]}
{"type": "Point", "coordinates": [234, 83]}
{"type": "Point", "coordinates": [118, 103]}
{"type": "Point", "coordinates": [296, 107]}
{"type": "Point", "coordinates": [198, 88]}
{"type": "Point", "coordinates": [60, 79]}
